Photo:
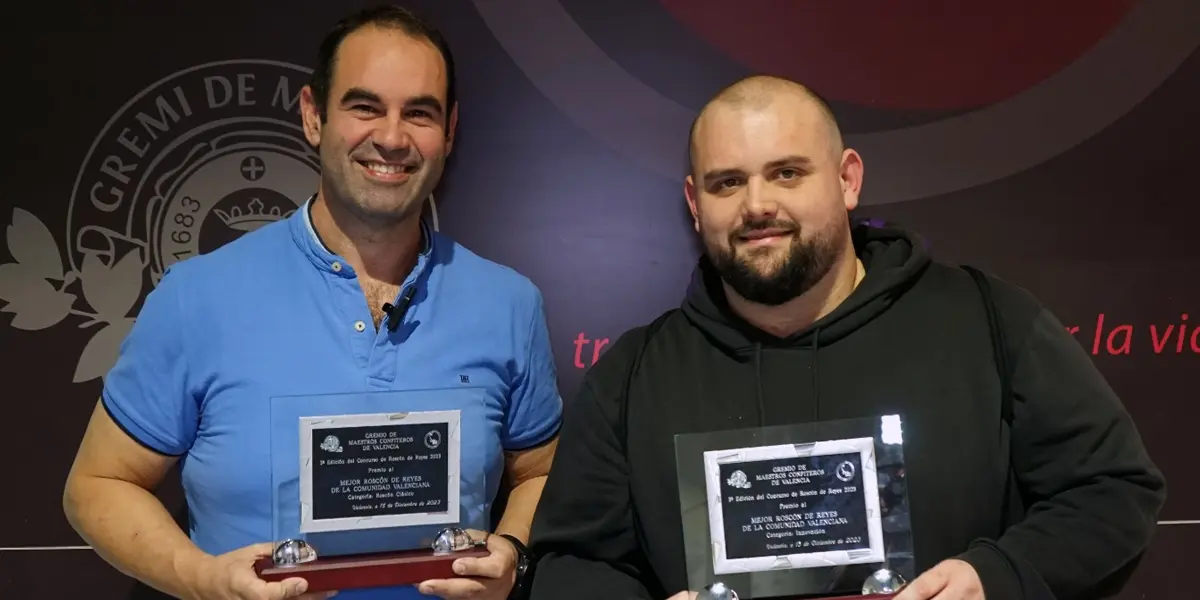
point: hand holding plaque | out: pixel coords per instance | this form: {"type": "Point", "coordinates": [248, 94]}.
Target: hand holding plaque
{"type": "Point", "coordinates": [368, 497]}
{"type": "Point", "coordinates": [883, 583]}
{"type": "Point", "coordinates": [230, 575]}
{"type": "Point", "coordinates": [293, 559]}
{"type": "Point", "coordinates": [484, 578]}
{"type": "Point", "coordinates": [953, 578]}
{"type": "Point", "coordinates": [806, 510]}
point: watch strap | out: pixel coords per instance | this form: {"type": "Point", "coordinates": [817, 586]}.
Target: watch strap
{"type": "Point", "coordinates": [524, 575]}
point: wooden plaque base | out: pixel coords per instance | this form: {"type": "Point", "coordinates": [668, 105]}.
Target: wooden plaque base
{"type": "Point", "coordinates": [856, 597]}
{"type": "Point", "coordinates": [861, 597]}
{"type": "Point", "coordinates": [367, 570]}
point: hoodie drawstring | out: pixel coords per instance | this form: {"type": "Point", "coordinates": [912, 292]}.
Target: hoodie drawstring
{"type": "Point", "coordinates": [816, 389]}
{"type": "Point", "coordinates": [758, 383]}
{"type": "Point", "coordinates": [814, 379]}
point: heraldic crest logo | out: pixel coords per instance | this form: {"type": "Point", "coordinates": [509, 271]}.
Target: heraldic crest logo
{"type": "Point", "coordinates": [192, 162]}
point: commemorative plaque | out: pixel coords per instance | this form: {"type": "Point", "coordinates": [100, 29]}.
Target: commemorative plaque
{"type": "Point", "coordinates": [378, 470]}
{"type": "Point", "coordinates": [366, 489]}
{"type": "Point", "coordinates": [812, 510]}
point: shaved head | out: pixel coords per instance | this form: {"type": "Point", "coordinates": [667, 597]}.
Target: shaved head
{"type": "Point", "coordinates": [770, 188]}
{"type": "Point", "coordinates": [763, 92]}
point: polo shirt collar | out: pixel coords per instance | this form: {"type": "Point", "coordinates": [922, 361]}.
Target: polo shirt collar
{"type": "Point", "coordinates": [305, 236]}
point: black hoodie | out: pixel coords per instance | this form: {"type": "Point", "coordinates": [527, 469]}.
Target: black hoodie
{"type": "Point", "coordinates": [912, 338]}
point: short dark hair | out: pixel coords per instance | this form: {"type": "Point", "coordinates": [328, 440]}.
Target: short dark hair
{"type": "Point", "coordinates": [380, 16]}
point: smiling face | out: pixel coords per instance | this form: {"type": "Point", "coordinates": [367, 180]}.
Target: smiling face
{"type": "Point", "coordinates": [387, 131]}
{"type": "Point", "coordinates": [770, 193]}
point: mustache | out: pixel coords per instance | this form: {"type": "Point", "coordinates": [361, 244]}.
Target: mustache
{"type": "Point", "coordinates": [752, 227]}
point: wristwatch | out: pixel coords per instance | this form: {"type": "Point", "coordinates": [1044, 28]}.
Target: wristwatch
{"type": "Point", "coordinates": [525, 564]}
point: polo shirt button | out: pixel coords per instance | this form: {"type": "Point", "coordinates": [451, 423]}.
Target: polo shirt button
{"type": "Point", "coordinates": [359, 326]}
{"type": "Point", "coordinates": [337, 267]}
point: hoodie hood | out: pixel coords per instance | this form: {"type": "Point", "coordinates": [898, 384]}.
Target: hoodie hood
{"type": "Point", "coordinates": [893, 259]}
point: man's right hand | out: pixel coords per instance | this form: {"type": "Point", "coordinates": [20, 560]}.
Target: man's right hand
{"type": "Point", "coordinates": [231, 576]}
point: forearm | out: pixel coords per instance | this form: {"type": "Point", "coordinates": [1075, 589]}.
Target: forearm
{"type": "Point", "coordinates": [129, 528]}
{"type": "Point", "coordinates": [1081, 538]}
{"type": "Point", "coordinates": [583, 532]}
{"type": "Point", "coordinates": [522, 504]}
{"type": "Point", "coordinates": [1090, 490]}
{"type": "Point", "coordinates": [1063, 546]}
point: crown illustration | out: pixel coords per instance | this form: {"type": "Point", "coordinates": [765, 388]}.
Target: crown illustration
{"type": "Point", "coordinates": [250, 216]}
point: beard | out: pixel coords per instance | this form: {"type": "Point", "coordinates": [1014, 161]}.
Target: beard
{"type": "Point", "coordinates": [803, 264]}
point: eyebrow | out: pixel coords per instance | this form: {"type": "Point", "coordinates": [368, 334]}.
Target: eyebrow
{"type": "Point", "coordinates": [800, 162]}
{"type": "Point", "coordinates": [790, 161]}
{"type": "Point", "coordinates": [362, 95]}
{"type": "Point", "coordinates": [426, 101]}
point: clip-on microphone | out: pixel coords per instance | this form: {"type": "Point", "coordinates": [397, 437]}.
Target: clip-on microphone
{"type": "Point", "coordinates": [396, 313]}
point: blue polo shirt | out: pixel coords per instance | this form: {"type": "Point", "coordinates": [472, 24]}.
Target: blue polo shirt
{"type": "Point", "coordinates": [274, 313]}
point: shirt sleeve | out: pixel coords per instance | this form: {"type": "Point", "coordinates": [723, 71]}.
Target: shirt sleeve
{"type": "Point", "coordinates": [535, 407]}
{"type": "Point", "coordinates": [583, 531]}
{"type": "Point", "coordinates": [145, 392]}
{"type": "Point", "coordinates": [1091, 491]}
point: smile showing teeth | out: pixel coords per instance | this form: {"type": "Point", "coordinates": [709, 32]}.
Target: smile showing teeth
{"type": "Point", "coordinates": [385, 169]}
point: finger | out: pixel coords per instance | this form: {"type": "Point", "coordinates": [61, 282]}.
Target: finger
{"type": "Point", "coordinates": [491, 567]}
{"type": "Point", "coordinates": [452, 589]}
{"type": "Point", "coordinates": [256, 551]}
{"type": "Point", "coordinates": [477, 534]}
{"type": "Point", "coordinates": [250, 555]}
{"type": "Point", "coordinates": [957, 589]}
{"type": "Point", "coordinates": [246, 585]}
{"type": "Point", "coordinates": [292, 587]}
{"type": "Point", "coordinates": [925, 587]}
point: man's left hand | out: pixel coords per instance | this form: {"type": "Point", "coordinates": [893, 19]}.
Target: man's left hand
{"type": "Point", "coordinates": [486, 578]}
{"type": "Point", "coordinates": [951, 579]}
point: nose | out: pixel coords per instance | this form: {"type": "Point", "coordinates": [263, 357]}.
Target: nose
{"type": "Point", "coordinates": [759, 201]}
{"type": "Point", "coordinates": [392, 136]}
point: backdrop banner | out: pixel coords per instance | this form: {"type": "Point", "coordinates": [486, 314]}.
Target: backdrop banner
{"type": "Point", "coordinates": [1054, 148]}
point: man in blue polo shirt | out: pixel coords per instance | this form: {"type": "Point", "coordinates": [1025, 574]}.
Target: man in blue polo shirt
{"type": "Point", "coordinates": [352, 294]}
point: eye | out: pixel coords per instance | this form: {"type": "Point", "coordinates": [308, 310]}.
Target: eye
{"type": "Point", "coordinates": [789, 173]}
{"type": "Point", "coordinates": [418, 113]}
{"type": "Point", "coordinates": [364, 109]}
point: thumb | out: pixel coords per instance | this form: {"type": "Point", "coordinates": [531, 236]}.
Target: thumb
{"type": "Point", "coordinates": [291, 587]}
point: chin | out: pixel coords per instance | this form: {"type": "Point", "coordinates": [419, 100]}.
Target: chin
{"type": "Point", "coordinates": [387, 208]}
{"type": "Point", "coordinates": [763, 258]}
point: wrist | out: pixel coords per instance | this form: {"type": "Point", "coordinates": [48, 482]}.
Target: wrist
{"type": "Point", "coordinates": [522, 571]}
{"type": "Point", "coordinates": [996, 573]}
{"type": "Point", "coordinates": [194, 573]}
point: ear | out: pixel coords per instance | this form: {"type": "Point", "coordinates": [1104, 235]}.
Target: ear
{"type": "Point", "coordinates": [851, 177]}
{"type": "Point", "coordinates": [451, 127]}
{"type": "Point", "coordinates": [310, 117]}
{"type": "Point", "coordinates": [689, 192]}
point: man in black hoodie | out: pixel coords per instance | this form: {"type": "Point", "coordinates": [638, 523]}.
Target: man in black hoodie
{"type": "Point", "coordinates": [801, 317]}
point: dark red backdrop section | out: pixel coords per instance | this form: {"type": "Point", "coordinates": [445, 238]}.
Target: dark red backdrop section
{"type": "Point", "coordinates": [1051, 143]}
{"type": "Point", "coordinates": [919, 54]}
